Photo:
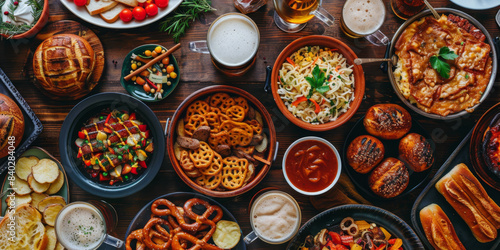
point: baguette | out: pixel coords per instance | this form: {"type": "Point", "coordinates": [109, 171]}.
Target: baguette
{"type": "Point", "coordinates": [29, 230]}
{"type": "Point", "coordinates": [438, 228]}
{"type": "Point", "coordinates": [481, 228]}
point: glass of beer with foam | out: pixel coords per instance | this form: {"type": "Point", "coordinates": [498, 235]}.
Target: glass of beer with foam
{"type": "Point", "coordinates": [293, 15]}
{"type": "Point", "coordinates": [363, 18]}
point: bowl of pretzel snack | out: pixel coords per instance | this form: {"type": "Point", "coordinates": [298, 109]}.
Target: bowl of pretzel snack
{"type": "Point", "coordinates": [184, 220]}
{"type": "Point", "coordinates": [221, 141]}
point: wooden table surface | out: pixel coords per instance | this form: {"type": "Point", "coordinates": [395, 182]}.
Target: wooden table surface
{"type": "Point", "coordinates": [198, 72]}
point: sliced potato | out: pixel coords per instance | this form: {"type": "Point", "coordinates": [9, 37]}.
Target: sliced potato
{"type": "Point", "coordinates": [45, 171]}
{"type": "Point", "coordinates": [56, 185]}
{"type": "Point", "coordinates": [50, 201]}
{"type": "Point", "coordinates": [50, 213]}
{"type": "Point", "coordinates": [36, 198]}
{"type": "Point", "coordinates": [180, 128]}
{"type": "Point", "coordinates": [227, 234]}
{"type": "Point", "coordinates": [263, 145]}
{"type": "Point", "coordinates": [21, 187]}
{"type": "Point", "coordinates": [24, 165]}
{"type": "Point", "coordinates": [258, 117]}
{"type": "Point", "coordinates": [36, 186]}
{"type": "Point", "coordinates": [250, 172]}
{"type": "Point", "coordinates": [177, 151]}
{"type": "Point", "coordinates": [19, 199]}
{"type": "Point", "coordinates": [52, 238]}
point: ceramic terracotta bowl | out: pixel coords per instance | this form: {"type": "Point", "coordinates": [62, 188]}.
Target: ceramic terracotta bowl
{"type": "Point", "coordinates": [44, 18]}
{"type": "Point", "coordinates": [332, 43]}
{"type": "Point", "coordinates": [269, 129]}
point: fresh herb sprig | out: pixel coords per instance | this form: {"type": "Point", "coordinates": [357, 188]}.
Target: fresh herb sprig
{"type": "Point", "coordinates": [317, 81]}
{"type": "Point", "coordinates": [177, 22]}
{"type": "Point", "coordinates": [439, 64]}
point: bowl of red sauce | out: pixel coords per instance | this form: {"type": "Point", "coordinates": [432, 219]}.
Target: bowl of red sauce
{"type": "Point", "coordinates": [311, 165]}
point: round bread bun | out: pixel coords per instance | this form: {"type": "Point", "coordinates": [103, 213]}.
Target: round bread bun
{"type": "Point", "coordinates": [364, 153]}
{"type": "Point", "coordinates": [387, 121]}
{"type": "Point", "coordinates": [416, 151]}
{"type": "Point", "coordinates": [389, 179]}
{"type": "Point", "coordinates": [63, 65]}
{"type": "Point", "coordinates": [11, 124]}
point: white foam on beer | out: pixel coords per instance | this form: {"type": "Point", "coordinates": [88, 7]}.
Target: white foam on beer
{"type": "Point", "coordinates": [364, 16]}
{"type": "Point", "coordinates": [275, 217]}
{"type": "Point", "coordinates": [233, 40]}
{"type": "Point", "coordinates": [80, 227]}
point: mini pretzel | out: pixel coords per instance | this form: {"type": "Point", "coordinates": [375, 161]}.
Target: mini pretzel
{"type": "Point", "coordinates": [236, 113]}
{"type": "Point", "coordinates": [147, 236]}
{"type": "Point", "coordinates": [217, 99]}
{"type": "Point", "coordinates": [209, 181]}
{"type": "Point", "coordinates": [135, 235]}
{"type": "Point", "coordinates": [234, 172]}
{"type": "Point", "coordinates": [193, 123]}
{"type": "Point", "coordinates": [228, 125]}
{"type": "Point", "coordinates": [229, 102]}
{"type": "Point", "coordinates": [186, 162]}
{"type": "Point", "coordinates": [256, 126]}
{"type": "Point", "coordinates": [198, 107]}
{"type": "Point", "coordinates": [223, 118]}
{"type": "Point", "coordinates": [241, 101]}
{"type": "Point", "coordinates": [239, 137]}
{"type": "Point", "coordinates": [203, 156]}
{"type": "Point", "coordinates": [215, 167]}
{"type": "Point", "coordinates": [218, 138]}
{"type": "Point", "coordinates": [213, 121]}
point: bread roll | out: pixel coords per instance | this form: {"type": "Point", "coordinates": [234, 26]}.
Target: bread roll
{"type": "Point", "coordinates": [389, 179]}
{"type": "Point", "coordinates": [364, 153]}
{"type": "Point", "coordinates": [11, 124]}
{"type": "Point", "coordinates": [387, 121]}
{"type": "Point", "coordinates": [63, 65]}
{"type": "Point", "coordinates": [438, 228]}
{"type": "Point", "coordinates": [416, 151]}
{"type": "Point", "coordinates": [466, 195]}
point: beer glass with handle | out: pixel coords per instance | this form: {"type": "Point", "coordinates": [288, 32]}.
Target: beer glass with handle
{"type": "Point", "coordinates": [363, 18]}
{"type": "Point", "coordinates": [292, 15]}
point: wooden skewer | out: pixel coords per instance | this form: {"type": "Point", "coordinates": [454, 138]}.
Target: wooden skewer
{"type": "Point", "coordinates": [150, 63]}
{"type": "Point", "coordinates": [262, 160]}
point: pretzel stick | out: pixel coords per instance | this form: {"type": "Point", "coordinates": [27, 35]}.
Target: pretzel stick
{"type": "Point", "coordinates": [150, 63]}
{"type": "Point", "coordinates": [262, 160]}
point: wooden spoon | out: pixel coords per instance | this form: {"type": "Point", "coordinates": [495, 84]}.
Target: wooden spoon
{"type": "Point", "coordinates": [359, 61]}
{"type": "Point", "coordinates": [434, 12]}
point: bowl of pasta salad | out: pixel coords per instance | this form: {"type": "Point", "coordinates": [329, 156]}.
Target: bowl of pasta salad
{"type": "Point", "coordinates": [316, 84]}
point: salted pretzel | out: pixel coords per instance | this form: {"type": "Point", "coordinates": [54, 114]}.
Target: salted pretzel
{"type": "Point", "coordinates": [195, 121]}
{"type": "Point", "coordinates": [217, 99]}
{"type": "Point", "coordinates": [135, 235]}
{"type": "Point", "coordinates": [256, 126]}
{"type": "Point", "coordinates": [210, 209]}
{"type": "Point", "coordinates": [202, 157]}
{"type": "Point", "coordinates": [186, 162]}
{"type": "Point", "coordinates": [236, 113]}
{"type": "Point", "coordinates": [234, 171]}
{"type": "Point", "coordinates": [147, 236]}
{"type": "Point", "coordinates": [229, 102]}
{"type": "Point", "coordinates": [215, 167]}
{"type": "Point", "coordinates": [239, 137]}
{"type": "Point", "coordinates": [197, 107]}
{"type": "Point", "coordinates": [241, 101]}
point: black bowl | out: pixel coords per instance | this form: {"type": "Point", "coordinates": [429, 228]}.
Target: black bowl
{"type": "Point", "coordinates": [75, 120]}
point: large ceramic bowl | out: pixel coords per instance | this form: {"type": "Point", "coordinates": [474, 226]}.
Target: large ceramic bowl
{"type": "Point", "coordinates": [269, 129]}
{"type": "Point", "coordinates": [44, 18]}
{"type": "Point", "coordinates": [69, 133]}
{"type": "Point", "coordinates": [332, 43]}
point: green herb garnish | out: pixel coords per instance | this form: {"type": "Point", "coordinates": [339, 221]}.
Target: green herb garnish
{"type": "Point", "coordinates": [316, 81]}
{"type": "Point", "coordinates": [177, 23]}
{"type": "Point", "coordinates": [440, 65]}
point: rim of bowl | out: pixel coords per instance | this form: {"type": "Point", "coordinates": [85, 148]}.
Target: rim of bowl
{"type": "Point", "coordinates": [75, 171]}
{"type": "Point", "coordinates": [488, 40]}
{"type": "Point", "coordinates": [359, 83]}
{"type": "Point", "coordinates": [172, 133]}
{"type": "Point", "coordinates": [339, 164]}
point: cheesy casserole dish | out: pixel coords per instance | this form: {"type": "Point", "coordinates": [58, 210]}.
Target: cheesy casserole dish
{"type": "Point", "coordinates": [469, 73]}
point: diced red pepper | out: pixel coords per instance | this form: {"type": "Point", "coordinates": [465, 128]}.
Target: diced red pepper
{"type": "Point", "coordinates": [142, 164]}
{"type": "Point", "coordinates": [299, 100]}
{"type": "Point", "coordinates": [151, 83]}
{"type": "Point", "coordinates": [143, 142]}
{"type": "Point", "coordinates": [330, 245]}
{"type": "Point", "coordinates": [134, 171]}
{"type": "Point", "coordinates": [112, 151]}
{"type": "Point", "coordinates": [392, 241]}
{"type": "Point", "coordinates": [111, 182]}
{"type": "Point", "coordinates": [380, 247]}
{"type": "Point", "coordinates": [143, 127]}
{"type": "Point", "coordinates": [132, 116]}
{"type": "Point", "coordinates": [108, 130]}
{"type": "Point", "coordinates": [107, 118]}
{"type": "Point", "coordinates": [88, 163]}
{"type": "Point", "coordinates": [104, 178]}
{"type": "Point", "coordinates": [347, 240]}
{"type": "Point", "coordinates": [318, 108]}
{"type": "Point", "coordinates": [335, 237]}
{"type": "Point", "coordinates": [79, 155]}
{"type": "Point", "coordinates": [147, 133]}
{"type": "Point", "coordinates": [289, 60]}
{"type": "Point", "coordinates": [94, 174]}
{"type": "Point", "coordinates": [81, 135]}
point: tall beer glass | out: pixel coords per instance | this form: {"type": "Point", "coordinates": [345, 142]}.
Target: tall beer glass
{"type": "Point", "coordinates": [292, 15]}
{"type": "Point", "coordinates": [363, 18]}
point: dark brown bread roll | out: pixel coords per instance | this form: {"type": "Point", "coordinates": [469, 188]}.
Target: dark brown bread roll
{"type": "Point", "coordinates": [389, 179]}
{"type": "Point", "coordinates": [387, 121]}
{"type": "Point", "coordinates": [11, 124]}
{"type": "Point", "coordinates": [364, 153]}
{"type": "Point", "coordinates": [416, 151]}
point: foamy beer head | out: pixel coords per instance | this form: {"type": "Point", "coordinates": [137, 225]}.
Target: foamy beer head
{"type": "Point", "coordinates": [362, 17]}
{"type": "Point", "coordinates": [233, 40]}
{"type": "Point", "coordinates": [275, 217]}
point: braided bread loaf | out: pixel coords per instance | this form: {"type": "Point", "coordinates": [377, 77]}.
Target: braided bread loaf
{"type": "Point", "coordinates": [63, 65]}
{"type": "Point", "coordinates": [11, 124]}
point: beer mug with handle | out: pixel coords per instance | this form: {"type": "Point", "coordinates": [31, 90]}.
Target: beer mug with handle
{"type": "Point", "coordinates": [363, 18]}
{"type": "Point", "coordinates": [293, 15]}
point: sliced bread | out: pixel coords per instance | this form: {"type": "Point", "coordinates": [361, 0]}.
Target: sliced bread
{"type": "Point", "coordinates": [113, 14]}
{"type": "Point", "coordinates": [98, 6]}
{"type": "Point", "coordinates": [29, 231]}
{"type": "Point", "coordinates": [131, 3]}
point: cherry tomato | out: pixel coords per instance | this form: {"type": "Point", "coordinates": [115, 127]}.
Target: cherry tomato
{"type": "Point", "coordinates": [126, 15]}
{"type": "Point", "coordinates": [161, 3]}
{"type": "Point", "coordinates": [152, 10]}
{"type": "Point", "coordinates": [139, 13]}
{"type": "Point", "coordinates": [80, 2]}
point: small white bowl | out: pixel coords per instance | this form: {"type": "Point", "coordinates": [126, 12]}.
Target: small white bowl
{"type": "Point", "coordinates": [339, 164]}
